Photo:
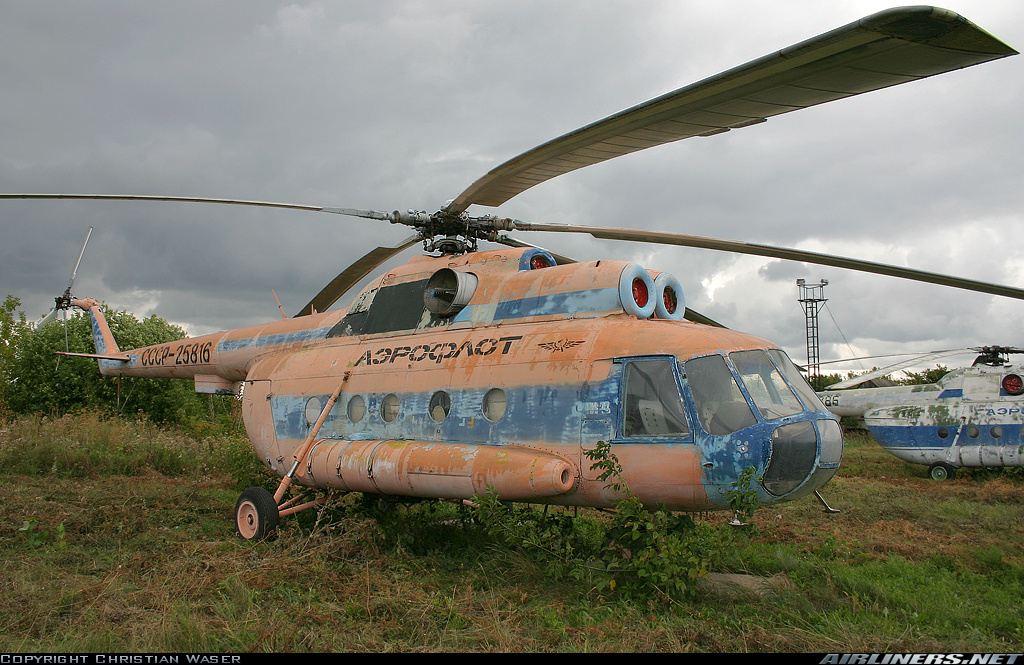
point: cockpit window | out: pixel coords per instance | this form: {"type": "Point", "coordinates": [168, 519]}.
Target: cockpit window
{"type": "Point", "coordinates": [772, 397]}
{"type": "Point", "coordinates": [721, 407]}
{"type": "Point", "coordinates": [797, 380]}
{"type": "Point", "coordinates": [653, 405]}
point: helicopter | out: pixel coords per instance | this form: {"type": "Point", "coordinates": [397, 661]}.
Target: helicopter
{"type": "Point", "coordinates": [469, 370]}
{"type": "Point", "coordinates": [971, 417]}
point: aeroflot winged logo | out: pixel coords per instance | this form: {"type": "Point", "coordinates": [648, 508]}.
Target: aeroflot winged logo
{"type": "Point", "coordinates": [437, 351]}
{"type": "Point", "coordinates": [560, 345]}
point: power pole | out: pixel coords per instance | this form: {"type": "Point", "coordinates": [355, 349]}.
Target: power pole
{"type": "Point", "coordinates": [812, 297]}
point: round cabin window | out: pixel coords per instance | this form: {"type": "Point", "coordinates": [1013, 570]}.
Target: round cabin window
{"type": "Point", "coordinates": [313, 409]}
{"type": "Point", "coordinates": [389, 407]}
{"type": "Point", "coordinates": [356, 408]}
{"type": "Point", "coordinates": [440, 406]}
{"type": "Point", "coordinates": [494, 404]}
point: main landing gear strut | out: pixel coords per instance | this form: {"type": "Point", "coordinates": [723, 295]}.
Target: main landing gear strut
{"type": "Point", "coordinates": [258, 512]}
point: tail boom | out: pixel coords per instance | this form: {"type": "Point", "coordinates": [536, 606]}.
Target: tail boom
{"type": "Point", "coordinates": [217, 362]}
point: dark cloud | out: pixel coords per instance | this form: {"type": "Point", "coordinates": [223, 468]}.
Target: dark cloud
{"type": "Point", "coordinates": [394, 105]}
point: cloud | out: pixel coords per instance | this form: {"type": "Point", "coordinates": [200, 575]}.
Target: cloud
{"type": "Point", "coordinates": [402, 104]}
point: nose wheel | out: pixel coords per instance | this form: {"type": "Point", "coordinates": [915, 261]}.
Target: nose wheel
{"type": "Point", "coordinates": [256, 515]}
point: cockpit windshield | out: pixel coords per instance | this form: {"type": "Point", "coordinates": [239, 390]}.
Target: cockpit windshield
{"type": "Point", "coordinates": [721, 407]}
{"type": "Point", "coordinates": [810, 399]}
{"type": "Point", "coordinates": [770, 378]}
{"type": "Point", "coordinates": [772, 397]}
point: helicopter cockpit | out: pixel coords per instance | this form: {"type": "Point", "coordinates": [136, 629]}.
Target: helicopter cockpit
{"type": "Point", "coordinates": [762, 391]}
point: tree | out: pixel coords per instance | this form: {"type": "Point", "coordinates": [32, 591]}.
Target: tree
{"type": "Point", "coordinates": [11, 328]}
{"type": "Point", "coordinates": [36, 379]}
{"type": "Point", "coordinates": [927, 376]}
{"type": "Point", "coordinates": [829, 379]}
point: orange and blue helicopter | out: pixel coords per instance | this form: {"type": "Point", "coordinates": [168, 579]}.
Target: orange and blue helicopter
{"type": "Point", "coordinates": [467, 371]}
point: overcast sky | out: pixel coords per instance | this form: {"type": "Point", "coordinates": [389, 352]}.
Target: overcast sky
{"type": "Point", "coordinates": [401, 105]}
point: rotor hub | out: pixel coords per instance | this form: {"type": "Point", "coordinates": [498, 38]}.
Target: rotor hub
{"type": "Point", "coordinates": [452, 233]}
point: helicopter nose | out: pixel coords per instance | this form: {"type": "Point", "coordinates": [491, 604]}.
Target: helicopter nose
{"type": "Point", "coordinates": [804, 456]}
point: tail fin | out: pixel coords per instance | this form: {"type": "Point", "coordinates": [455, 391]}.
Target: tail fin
{"type": "Point", "coordinates": [107, 354]}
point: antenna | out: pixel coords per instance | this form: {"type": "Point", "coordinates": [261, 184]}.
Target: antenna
{"type": "Point", "coordinates": [812, 298]}
{"type": "Point", "coordinates": [283, 315]}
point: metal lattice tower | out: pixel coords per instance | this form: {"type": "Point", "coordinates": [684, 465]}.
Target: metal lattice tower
{"type": "Point", "coordinates": [812, 298]}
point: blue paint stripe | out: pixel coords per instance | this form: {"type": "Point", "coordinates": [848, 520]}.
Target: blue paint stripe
{"type": "Point", "coordinates": [926, 437]}
{"type": "Point", "coordinates": [543, 413]}
{"type": "Point", "coordinates": [574, 302]}
{"type": "Point", "coordinates": [278, 339]}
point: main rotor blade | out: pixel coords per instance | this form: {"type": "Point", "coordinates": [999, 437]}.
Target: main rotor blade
{"type": "Point", "coordinates": [353, 212]}
{"type": "Point", "coordinates": [560, 259]}
{"type": "Point", "coordinates": [353, 274]}
{"type": "Point", "coordinates": [895, 367]}
{"type": "Point", "coordinates": [949, 352]}
{"type": "Point", "coordinates": [686, 240]}
{"type": "Point", "coordinates": [330, 293]}
{"type": "Point", "coordinates": [697, 317]}
{"type": "Point", "coordinates": [884, 49]}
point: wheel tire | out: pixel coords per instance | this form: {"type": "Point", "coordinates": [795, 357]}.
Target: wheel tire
{"type": "Point", "coordinates": [256, 515]}
{"type": "Point", "coordinates": [941, 471]}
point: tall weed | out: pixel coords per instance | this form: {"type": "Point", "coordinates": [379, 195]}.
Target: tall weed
{"type": "Point", "coordinates": [91, 443]}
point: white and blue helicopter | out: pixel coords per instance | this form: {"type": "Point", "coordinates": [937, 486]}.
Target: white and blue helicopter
{"type": "Point", "coordinates": [971, 417]}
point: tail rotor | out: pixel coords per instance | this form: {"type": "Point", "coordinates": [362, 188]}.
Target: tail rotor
{"type": "Point", "coordinates": [62, 303]}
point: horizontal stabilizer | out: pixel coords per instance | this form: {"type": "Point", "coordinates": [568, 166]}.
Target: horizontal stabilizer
{"type": "Point", "coordinates": [94, 356]}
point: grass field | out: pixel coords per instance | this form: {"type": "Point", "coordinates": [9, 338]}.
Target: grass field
{"type": "Point", "coordinates": [118, 537]}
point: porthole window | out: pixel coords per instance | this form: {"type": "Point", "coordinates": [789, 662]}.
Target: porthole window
{"type": "Point", "coordinates": [973, 432]}
{"type": "Point", "coordinates": [943, 432]}
{"type": "Point", "coordinates": [313, 409]}
{"type": "Point", "coordinates": [389, 407]}
{"type": "Point", "coordinates": [996, 432]}
{"type": "Point", "coordinates": [356, 408]}
{"type": "Point", "coordinates": [440, 406]}
{"type": "Point", "coordinates": [494, 404]}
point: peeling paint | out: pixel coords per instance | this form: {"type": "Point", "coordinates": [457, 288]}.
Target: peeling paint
{"type": "Point", "coordinates": [965, 419]}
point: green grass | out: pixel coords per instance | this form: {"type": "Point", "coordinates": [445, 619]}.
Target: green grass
{"type": "Point", "coordinates": [118, 536]}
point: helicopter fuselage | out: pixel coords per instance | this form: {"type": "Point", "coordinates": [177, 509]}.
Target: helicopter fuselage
{"type": "Point", "coordinates": [972, 416]}
{"type": "Point", "coordinates": [510, 387]}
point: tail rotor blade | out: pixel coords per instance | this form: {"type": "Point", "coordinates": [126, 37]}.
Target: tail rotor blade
{"type": "Point", "coordinates": [78, 262]}
{"type": "Point", "coordinates": [46, 319]}
{"type": "Point", "coordinates": [63, 302]}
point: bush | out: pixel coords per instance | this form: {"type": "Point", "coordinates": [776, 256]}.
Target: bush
{"type": "Point", "coordinates": [35, 379]}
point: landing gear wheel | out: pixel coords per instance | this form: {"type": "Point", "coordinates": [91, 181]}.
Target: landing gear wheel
{"type": "Point", "coordinates": [941, 471]}
{"type": "Point", "coordinates": [256, 515]}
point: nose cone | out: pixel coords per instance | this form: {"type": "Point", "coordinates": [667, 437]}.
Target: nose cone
{"type": "Point", "coordinates": [804, 456]}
